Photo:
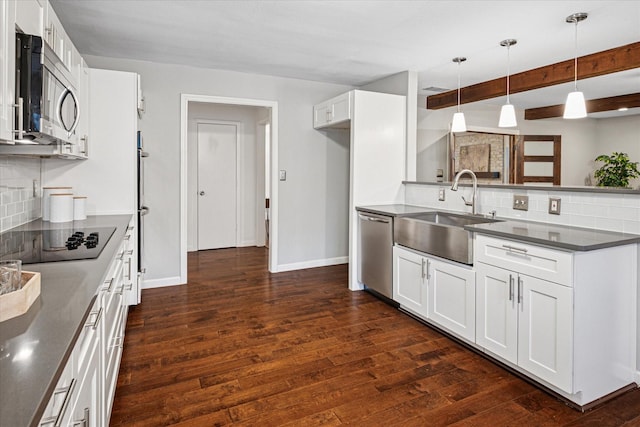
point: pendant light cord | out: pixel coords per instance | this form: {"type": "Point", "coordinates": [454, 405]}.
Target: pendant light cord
{"type": "Point", "coordinates": [508, 70]}
{"type": "Point", "coordinates": [575, 61]}
{"type": "Point", "coordinates": [458, 86]}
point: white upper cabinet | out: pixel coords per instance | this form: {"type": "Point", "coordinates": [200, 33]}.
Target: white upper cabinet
{"type": "Point", "coordinates": [335, 112]}
{"type": "Point", "coordinates": [29, 17]}
{"type": "Point", "coordinates": [7, 69]}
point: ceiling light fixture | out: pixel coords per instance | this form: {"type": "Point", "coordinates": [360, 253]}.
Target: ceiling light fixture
{"type": "Point", "coordinates": [458, 124]}
{"type": "Point", "coordinates": [508, 113]}
{"type": "Point", "coordinates": [575, 107]}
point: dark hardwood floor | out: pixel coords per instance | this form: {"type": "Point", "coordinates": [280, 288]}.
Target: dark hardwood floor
{"type": "Point", "coordinates": [239, 345]}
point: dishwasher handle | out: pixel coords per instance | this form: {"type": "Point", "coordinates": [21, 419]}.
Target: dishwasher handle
{"type": "Point", "coordinates": [374, 219]}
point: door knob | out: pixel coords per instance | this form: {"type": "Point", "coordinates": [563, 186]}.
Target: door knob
{"type": "Point", "coordinates": [201, 193]}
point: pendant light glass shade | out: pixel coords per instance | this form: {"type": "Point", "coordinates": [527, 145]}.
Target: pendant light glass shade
{"type": "Point", "coordinates": [507, 117]}
{"type": "Point", "coordinates": [575, 107]}
{"type": "Point", "coordinates": [459, 124]}
{"type": "Point", "coordinates": [507, 113]}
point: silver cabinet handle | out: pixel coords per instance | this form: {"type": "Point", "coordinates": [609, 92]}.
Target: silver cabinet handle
{"type": "Point", "coordinates": [129, 228]}
{"type": "Point", "coordinates": [428, 267]}
{"type": "Point", "coordinates": [510, 287]}
{"type": "Point", "coordinates": [94, 324]}
{"type": "Point", "coordinates": [110, 282]}
{"type": "Point", "coordinates": [520, 290]}
{"type": "Point", "coordinates": [85, 421]}
{"type": "Point", "coordinates": [20, 131]}
{"type": "Point", "coordinates": [201, 193]}
{"type": "Point", "coordinates": [513, 248]}
{"type": "Point", "coordinates": [374, 219]}
{"type": "Point", "coordinates": [57, 419]}
{"type": "Point", "coordinates": [422, 268]}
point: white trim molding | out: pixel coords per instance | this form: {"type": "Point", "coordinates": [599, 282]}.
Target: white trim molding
{"type": "Point", "coordinates": [313, 264]}
{"type": "Point", "coordinates": [161, 283]}
{"type": "Point", "coordinates": [185, 99]}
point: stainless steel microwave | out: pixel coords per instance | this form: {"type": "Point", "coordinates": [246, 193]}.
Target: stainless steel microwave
{"type": "Point", "coordinates": [47, 104]}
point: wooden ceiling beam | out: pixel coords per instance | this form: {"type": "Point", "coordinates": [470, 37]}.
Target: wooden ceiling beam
{"type": "Point", "coordinates": [596, 64]}
{"type": "Point", "coordinates": [631, 100]}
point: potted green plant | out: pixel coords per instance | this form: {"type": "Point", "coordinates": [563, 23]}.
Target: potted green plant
{"type": "Point", "coordinates": [616, 171]}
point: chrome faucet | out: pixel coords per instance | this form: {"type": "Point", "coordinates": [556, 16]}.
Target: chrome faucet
{"type": "Point", "coordinates": [454, 187]}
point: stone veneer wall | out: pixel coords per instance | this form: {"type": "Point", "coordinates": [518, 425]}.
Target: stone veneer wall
{"type": "Point", "coordinates": [606, 211]}
{"type": "Point", "coordinates": [18, 204]}
{"type": "Point", "coordinates": [496, 156]}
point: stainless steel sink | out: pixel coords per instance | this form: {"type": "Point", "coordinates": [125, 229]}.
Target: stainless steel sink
{"type": "Point", "coordinates": [439, 233]}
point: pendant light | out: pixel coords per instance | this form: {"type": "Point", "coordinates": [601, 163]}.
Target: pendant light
{"type": "Point", "coordinates": [458, 124]}
{"type": "Point", "coordinates": [575, 107]}
{"type": "Point", "coordinates": [508, 113]}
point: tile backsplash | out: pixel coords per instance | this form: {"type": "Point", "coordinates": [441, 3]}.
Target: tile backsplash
{"type": "Point", "coordinates": [605, 211]}
{"type": "Point", "coordinates": [19, 203]}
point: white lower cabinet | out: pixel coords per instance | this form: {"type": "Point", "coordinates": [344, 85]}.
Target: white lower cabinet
{"type": "Point", "coordinates": [526, 321]}
{"type": "Point", "coordinates": [436, 290]}
{"type": "Point", "coordinates": [566, 319]}
{"type": "Point", "coordinates": [410, 280]}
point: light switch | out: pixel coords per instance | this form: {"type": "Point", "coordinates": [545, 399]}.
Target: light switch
{"type": "Point", "coordinates": [283, 175]}
{"type": "Point", "coordinates": [441, 194]}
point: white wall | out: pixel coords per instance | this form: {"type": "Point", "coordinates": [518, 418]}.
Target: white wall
{"type": "Point", "coordinates": [582, 140]}
{"type": "Point", "coordinates": [311, 217]}
{"type": "Point", "coordinates": [620, 134]}
{"type": "Point", "coordinates": [247, 185]}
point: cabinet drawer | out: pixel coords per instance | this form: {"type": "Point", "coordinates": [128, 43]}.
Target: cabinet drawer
{"type": "Point", "coordinates": [87, 342]}
{"type": "Point", "coordinates": [57, 410]}
{"type": "Point", "coordinates": [537, 261]}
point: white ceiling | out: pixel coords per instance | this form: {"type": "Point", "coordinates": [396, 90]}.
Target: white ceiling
{"type": "Point", "coordinates": [355, 42]}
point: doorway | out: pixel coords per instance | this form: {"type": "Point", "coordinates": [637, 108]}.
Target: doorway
{"type": "Point", "coordinates": [188, 167]}
{"type": "Point", "coordinates": [217, 156]}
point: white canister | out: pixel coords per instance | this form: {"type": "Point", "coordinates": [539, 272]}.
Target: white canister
{"type": "Point", "coordinates": [46, 201]}
{"type": "Point", "coordinates": [79, 208]}
{"type": "Point", "coordinates": [61, 207]}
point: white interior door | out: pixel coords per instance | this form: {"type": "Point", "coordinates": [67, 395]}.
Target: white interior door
{"type": "Point", "coordinates": [217, 185]}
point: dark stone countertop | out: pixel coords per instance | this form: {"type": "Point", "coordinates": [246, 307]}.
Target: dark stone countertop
{"type": "Point", "coordinates": [554, 235]}
{"type": "Point", "coordinates": [551, 235]}
{"type": "Point", "coordinates": [35, 346]}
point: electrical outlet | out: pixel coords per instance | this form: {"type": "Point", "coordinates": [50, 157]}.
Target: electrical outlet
{"type": "Point", "coordinates": [441, 194]}
{"type": "Point", "coordinates": [283, 175]}
{"type": "Point", "coordinates": [554, 206]}
{"type": "Point", "coordinates": [521, 203]}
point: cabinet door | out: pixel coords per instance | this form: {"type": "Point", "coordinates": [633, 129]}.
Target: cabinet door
{"type": "Point", "coordinates": [340, 109]}
{"type": "Point", "coordinates": [545, 331]}
{"type": "Point", "coordinates": [7, 69]}
{"type": "Point", "coordinates": [85, 410]}
{"type": "Point", "coordinates": [321, 115]}
{"type": "Point", "coordinates": [29, 17]}
{"type": "Point", "coordinates": [497, 311]}
{"type": "Point", "coordinates": [452, 297]}
{"type": "Point", "coordinates": [409, 280]}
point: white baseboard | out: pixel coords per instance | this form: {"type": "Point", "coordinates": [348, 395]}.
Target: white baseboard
{"type": "Point", "coordinates": [312, 264]}
{"type": "Point", "coordinates": [161, 283]}
{"type": "Point", "coordinates": [637, 377]}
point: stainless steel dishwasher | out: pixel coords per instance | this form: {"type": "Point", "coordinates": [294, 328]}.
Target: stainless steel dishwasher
{"type": "Point", "coordinates": [375, 249]}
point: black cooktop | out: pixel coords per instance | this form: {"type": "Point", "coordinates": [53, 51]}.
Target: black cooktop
{"type": "Point", "coordinates": [51, 245]}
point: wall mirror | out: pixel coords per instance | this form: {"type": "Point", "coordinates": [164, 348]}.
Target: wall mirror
{"type": "Point", "coordinates": [581, 140]}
